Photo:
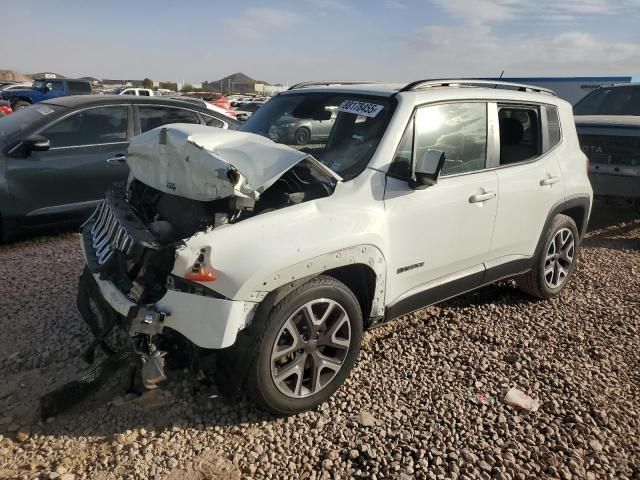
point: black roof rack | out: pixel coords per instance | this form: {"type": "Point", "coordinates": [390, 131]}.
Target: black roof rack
{"type": "Point", "coordinates": [326, 83]}
{"type": "Point", "coordinates": [470, 82]}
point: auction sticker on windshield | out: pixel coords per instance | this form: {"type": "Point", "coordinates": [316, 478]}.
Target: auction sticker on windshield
{"type": "Point", "coordinates": [360, 108]}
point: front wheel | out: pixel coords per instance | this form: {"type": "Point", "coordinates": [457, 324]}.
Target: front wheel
{"type": "Point", "coordinates": [302, 136]}
{"type": "Point", "coordinates": [19, 105]}
{"type": "Point", "coordinates": [306, 348]}
{"type": "Point", "coordinates": [555, 262]}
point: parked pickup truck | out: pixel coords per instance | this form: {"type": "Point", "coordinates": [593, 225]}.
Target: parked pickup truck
{"type": "Point", "coordinates": [45, 89]}
{"type": "Point", "coordinates": [608, 123]}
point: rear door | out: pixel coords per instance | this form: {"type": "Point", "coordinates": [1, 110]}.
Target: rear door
{"type": "Point", "coordinates": [70, 178]}
{"type": "Point", "coordinates": [529, 177]}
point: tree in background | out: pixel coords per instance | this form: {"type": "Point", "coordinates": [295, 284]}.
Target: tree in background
{"type": "Point", "coordinates": [187, 87]}
{"type": "Point", "coordinates": [147, 83]}
{"type": "Point", "coordinates": [169, 86]}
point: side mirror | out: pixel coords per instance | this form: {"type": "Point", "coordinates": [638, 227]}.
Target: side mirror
{"type": "Point", "coordinates": [427, 169]}
{"type": "Point", "coordinates": [36, 143]}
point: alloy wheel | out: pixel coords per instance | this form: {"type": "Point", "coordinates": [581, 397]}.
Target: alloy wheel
{"type": "Point", "coordinates": [559, 258]}
{"type": "Point", "coordinates": [310, 348]}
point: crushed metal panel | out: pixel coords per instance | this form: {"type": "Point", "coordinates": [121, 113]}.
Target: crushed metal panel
{"type": "Point", "coordinates": [204, 163]}
{"type": "Point", "coordinates": [361, 254]}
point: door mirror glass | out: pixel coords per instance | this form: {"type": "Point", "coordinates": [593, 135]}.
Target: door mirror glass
{"type": "Point", "coordinates": [428, 168]}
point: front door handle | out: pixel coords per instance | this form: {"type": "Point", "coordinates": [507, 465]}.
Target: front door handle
{"type": "Point", "coordinates": [482, 197]}
{"type": "Point", "coordinates": [549, 181]}
{"type": "Point", "coordinates": [117, 159]}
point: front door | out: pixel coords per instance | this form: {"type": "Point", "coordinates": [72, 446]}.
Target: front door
{"type": "Point", "coordinates": [70, 178]}
{"type": "Point", "coordinates": [442, 232]}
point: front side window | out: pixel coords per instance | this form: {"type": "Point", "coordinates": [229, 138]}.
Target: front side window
{"type": "Point", "coordinates": [89, 127]}
{"type": "Point", "coordinates": [153, 117]}
{"type": "Point", "coordinates": [340, 130]}
{"type": "Point", "coordinates": [55, 86]}
{"type": "Point", "coordinates": [457, 129]}
{"type": "Point", "coordinates": [520, 136]}
{"type": "Point", "coordinates": [143, 93]}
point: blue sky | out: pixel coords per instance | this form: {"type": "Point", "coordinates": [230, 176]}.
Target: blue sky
{"type": "Point", "coordinates": [285, 41]}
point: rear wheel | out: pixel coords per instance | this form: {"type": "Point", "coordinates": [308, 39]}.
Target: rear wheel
{"type": "Point", "coordinates": [20, 104]}
{"type": "Point", "coordinates": [556, 261]}
{"type": "Point", "coordinates": [306, 348]}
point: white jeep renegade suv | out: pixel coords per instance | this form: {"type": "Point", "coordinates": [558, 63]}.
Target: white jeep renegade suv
{"type": "Point", "coordinates": [282, 255]}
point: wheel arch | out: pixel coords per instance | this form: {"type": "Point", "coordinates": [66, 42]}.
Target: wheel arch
{"type": "Point", "coordinates": [362, 268]}
{"type": "Point", "coordinates": [577, 208]}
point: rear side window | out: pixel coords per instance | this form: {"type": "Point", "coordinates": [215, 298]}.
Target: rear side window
{"type": "Point", "coordinates": [90, 127]}
{"type": "Point", "coordinates": [520, 135]}
{"type": "Point", "coordinates": [153, 117]}
{"type": "Point", "coordinates": [553, 127]}
{"type": "Point", "coordinates": [143, 93]}
{"type": "Point", "coordinates": [213, 121]}
{"type": "Point", "coordinates": [78, 87]}
{"type": "Point", "coordinates": [457, 129]}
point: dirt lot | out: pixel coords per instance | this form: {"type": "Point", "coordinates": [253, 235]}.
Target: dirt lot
{"type": "Point", "coordinates": [407, 411]}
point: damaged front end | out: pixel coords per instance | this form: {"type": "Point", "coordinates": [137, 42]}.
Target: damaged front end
{"type": "Point", "coordinates": [184, 180]}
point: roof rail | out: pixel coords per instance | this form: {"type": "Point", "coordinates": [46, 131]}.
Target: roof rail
{"type": "Point", "coordinates": [329, 82]}
{"type": "Point", "coordinates": [470, 82]}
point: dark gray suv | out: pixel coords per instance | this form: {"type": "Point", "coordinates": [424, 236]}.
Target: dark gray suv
{"type": "Point", "coordinates": [59, 157]}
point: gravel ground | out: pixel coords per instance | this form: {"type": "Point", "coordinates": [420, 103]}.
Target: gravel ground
{"type": "Point", "coordinates": [407, 411]}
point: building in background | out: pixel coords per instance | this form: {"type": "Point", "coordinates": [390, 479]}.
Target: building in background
{"type": "Point", "coordinates": [571, 89]}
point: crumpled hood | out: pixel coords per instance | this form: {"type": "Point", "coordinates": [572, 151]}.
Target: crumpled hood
{"type": "Point", "coordinates": [205, 163]}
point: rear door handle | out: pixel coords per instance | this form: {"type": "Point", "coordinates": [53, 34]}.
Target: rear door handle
{"type": "Point", "coordinates": [482, 197]}
{"type": "Point", "coordinates": [549, 181]}
{"type": "Point", "coordinates": [116, 159]}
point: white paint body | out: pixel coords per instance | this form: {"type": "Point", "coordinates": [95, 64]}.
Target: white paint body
{"type": "Point", "coordinates": [382, 222]}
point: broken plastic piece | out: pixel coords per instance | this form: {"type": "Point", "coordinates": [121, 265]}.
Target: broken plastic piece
{"type": "Point", "coordinates": [518, 399]}
{"type": "Point", "coordinates": [72, 393]}
{"type": "Point", "coordinates": [153, 369]}
{"type": "Point", "coordinates": [482, 399]}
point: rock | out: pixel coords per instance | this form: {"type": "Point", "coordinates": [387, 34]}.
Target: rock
{"type": "Point", "coordinates": [67, 476]}
{"type": "Point", "coordinates": [596, 446]}
{"type": "Point", "coordinates": [22, 436]}
{"type": "Point", "coordinates": [365, 419]}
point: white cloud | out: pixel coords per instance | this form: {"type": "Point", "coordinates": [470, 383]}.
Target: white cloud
{"type": "Point", "coordinates": [473, 50]}
{"type": "Point", "coordinates": [494, 11]}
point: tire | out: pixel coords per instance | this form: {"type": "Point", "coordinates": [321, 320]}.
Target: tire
{"type": "Point", "coordinates": [289, 374]}
{"type": "Point", "coordinates": [556, 261]}
{"type": "Point", "coordinates": [302, 136]}
{"type": "Point", "coordinates": [19, 104]}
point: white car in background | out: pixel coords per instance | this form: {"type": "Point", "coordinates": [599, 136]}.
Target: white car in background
{"type": "Point", "coordinates": [282, 255]}
{"type": "Point", "coordinates": [141, 92]}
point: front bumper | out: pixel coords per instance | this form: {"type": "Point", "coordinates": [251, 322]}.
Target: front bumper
{"type": "Point", "coordinates": [211, 323]}
{"type": "Point", "coordinates": [113, 238]}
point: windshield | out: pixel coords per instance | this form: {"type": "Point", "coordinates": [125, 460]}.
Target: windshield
{"type": "Point", "coordinates": [340, 130]}
{"type": "Point", "coordinates": [610, 101]}
{"type": "Point", "coordinates": [13, 125]}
